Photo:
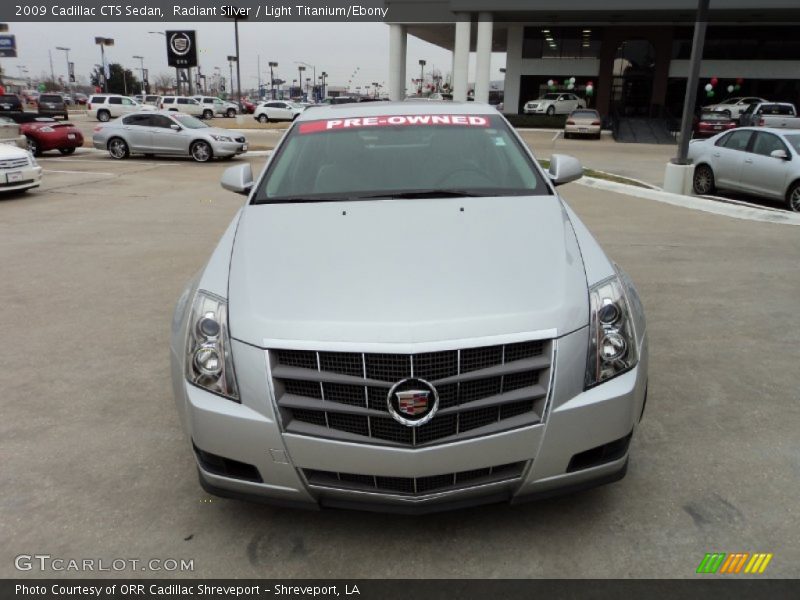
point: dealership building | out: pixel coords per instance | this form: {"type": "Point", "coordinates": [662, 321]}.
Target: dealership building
{"type": "Point", "coordinates": [634, 53]}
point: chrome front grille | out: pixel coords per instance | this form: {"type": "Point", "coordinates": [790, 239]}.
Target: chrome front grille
{"type": "Point", "coordinates": [415, 486]}
{"type": "Point", "coordinates": [14, 163]}
{"type": "Point", "coordinates": [343, 395]}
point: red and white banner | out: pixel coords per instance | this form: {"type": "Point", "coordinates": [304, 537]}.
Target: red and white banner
{"type": "Point", "coordinates": [395, 121]}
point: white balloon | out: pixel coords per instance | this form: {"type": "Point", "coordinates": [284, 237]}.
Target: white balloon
{"type": "Point", "coordinates": [709, 87]}
{"type": "Point", "coordinates": [730, 88]}
{"type": "Point", "coordinates": [572, 80]}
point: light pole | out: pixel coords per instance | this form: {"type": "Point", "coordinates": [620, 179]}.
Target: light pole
{"type": "Point", "coordinates": [233, 59]}
{"type": "Point", "coordinates": [422, 64]}
{"type": "Point", "coordinates": [66, 50]}
{"type": "Point", "coordinates": [272, 64]}
{"type": "Point", "coordinates": [300, 70]}
{"type": "Point", "coordinates": [236, 18]}
{"type": "Point", "coordinates": [103, 42]}
{"type": "Point", "coordinates": [324, 78]}
{"type": "Point", "coordinates": [141, 64]}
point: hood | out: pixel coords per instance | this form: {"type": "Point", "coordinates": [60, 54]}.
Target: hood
{"type": "Point", "coordinates": [405, 271]}
{"type": "Point", "coordinates": [219, 131]}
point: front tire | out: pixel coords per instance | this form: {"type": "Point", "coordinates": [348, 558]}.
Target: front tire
{"type": "Point", "coordinates": [263, 118]}
{"type": "Point", "coordinates": [118, 148]}
{"type": "Point", "coordinates": [33, 146]}
{"type": "Point", "coordinates": [208, 115]}
{"type": "Point", "coordinates": [230, 113]}
{"type": "Point", "coordinates": [793, 197]}
{"type": "Point", "coordinates": [103, 116]}
{"type": "Point", "coordinates": [703, 181]}
{"type": "Point", "coordinates": [67, 151]}
{"type": "Point", "coordinates": [201, 152]}
{"type": "Point", "coordinates": [551, 110]}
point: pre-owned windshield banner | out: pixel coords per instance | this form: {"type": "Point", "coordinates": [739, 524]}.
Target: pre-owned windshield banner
{"type": "Point", "coordinates": [394, 121]}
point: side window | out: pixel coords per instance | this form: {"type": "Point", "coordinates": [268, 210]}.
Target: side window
{"type": "Point", "coordinates": [115, 100]}
{"type": "Point", "coordinates": [98, 100]}
{"type": "Point", "coordinates": [766, 144]}
{"type": "Point", "coordinates": [140, 120]}
{"type": "Point", "coordinates": [127, 101]}
{"type": "Point", "coordinates": [737, 140]}
{"type": "Point", "coordinates": [160, 121]}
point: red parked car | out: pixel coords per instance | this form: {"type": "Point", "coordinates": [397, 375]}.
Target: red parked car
{"type": "Point", "coordinates": [712, 123]}
{"type": "Point", "coordinates": [248, 107]}
{"type": "Point", "coordinates": [45, 134]}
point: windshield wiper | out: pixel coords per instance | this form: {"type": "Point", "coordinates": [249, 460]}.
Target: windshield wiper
{"type": "Point", "coordinates": [431, 193]}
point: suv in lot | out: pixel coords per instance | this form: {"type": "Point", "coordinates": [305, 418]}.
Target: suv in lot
{"type": "Point", "coordinates": [110, 106]}
{"type": "Point", "coordinates": [188, 106]}
{"type": "Point", "coordinates": [10, 103]}
{"type": "Point", "coordinates": [781, 115]}
{"type": "Point", "coordinates": [217, 106]}
{"type": "Point", "coordinates": [277, 110]}
{"type": "Point", "coordinates": [441, 330]}
{"type": "Point", "coordinates": [53, 105]}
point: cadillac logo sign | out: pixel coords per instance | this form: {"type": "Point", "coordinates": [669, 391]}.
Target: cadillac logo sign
{"type": "Point", "coordinates": [413, 402]}
{"type": "Point", "coordinates": [181, 49]}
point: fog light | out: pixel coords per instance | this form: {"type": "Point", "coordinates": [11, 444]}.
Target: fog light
{"type": "Point", "coordinates": [613, 347]}
{"type": "Point", "coordinates": [608, 313]}
{"type": "Point", "coordinates": [207, 361]}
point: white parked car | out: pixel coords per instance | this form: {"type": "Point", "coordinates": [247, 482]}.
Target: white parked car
{"type": "Point", "coordinates": [148, 99]}
{"type": "Point", "coordinates": [19, 170]}
{"type": "Point", "coordinates": [213, 106]}
{"type": "Point", "coordinates": [734, 107]}
{"type": "Point", "coordinates": [277, 110]}
{"type": "Point", "coordinates": [554, 104]}
{"type": "Point", "coordinates": [188, 106]}
{"type": "Point", "coordinates": [754, 160]}
{"type": "Point", "coordinates": [110, 106]}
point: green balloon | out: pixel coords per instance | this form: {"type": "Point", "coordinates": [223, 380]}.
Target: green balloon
{"type": "Point", "coordinates": [711, 94]}
{"type": "Point", "coordinates": [737, 87]}
{"type": "Point", "coordinates": [41, 87]}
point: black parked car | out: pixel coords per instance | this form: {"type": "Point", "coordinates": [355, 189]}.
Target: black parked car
{"type": "Point", "coordinates": [52, 105]}
{"type": "Point", "coordinates": [10, 103]}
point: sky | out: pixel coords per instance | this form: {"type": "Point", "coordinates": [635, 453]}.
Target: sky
{"type": "Point", "coordinates": [337, 48]}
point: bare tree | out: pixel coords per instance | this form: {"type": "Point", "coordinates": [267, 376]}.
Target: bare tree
{"type": "Point", "coordinates": [164, 82]}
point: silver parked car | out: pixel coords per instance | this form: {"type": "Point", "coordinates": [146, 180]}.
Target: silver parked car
{"type": "Point", "coordinates": [167, 133]}
{"type": "Point", "coordinates": [406, 316]}
{"type": "Point", "coordinates": [553, 104]}
{"type": "Point", "coordinates": [754, 160]}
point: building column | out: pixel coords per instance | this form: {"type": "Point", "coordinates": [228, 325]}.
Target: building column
{"type": "Point", "coordinates": [397, 61]}
{"type": "Point", "coordinates": [483, 57]}
{"type": "Point", "coordinates": [461, 57]}
{"type": "Point", "coordinates": [511, 86]}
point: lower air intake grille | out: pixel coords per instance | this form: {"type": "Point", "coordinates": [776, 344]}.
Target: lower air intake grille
{"type": "Point", "coordinates": [414, 486]}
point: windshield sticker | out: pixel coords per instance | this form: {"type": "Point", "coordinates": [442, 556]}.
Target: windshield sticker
{"type": "Point", "coordinates": [394, 121]}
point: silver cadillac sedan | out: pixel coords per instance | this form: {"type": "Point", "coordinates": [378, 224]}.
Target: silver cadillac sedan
{"type": "Point", "coordinates": [406, 316]}
{"type": "Point", "coordinates": [166, 133]}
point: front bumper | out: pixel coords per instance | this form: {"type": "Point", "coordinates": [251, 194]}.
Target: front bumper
{"type": "Point", "coordinates": [538, 110]}
{"type": "Point", "coordinates": [225, 149]}
{"type": "Point", "coordinates": [576, 423]}
{"type": "Point", "coordinates": [20, 179]}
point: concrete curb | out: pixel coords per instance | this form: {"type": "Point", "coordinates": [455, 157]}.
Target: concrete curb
{"type": "Point", "coordinates": [727, 209]}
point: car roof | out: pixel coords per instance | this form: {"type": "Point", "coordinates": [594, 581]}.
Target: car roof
{"type": "Point", "coordinates": [372, 109]}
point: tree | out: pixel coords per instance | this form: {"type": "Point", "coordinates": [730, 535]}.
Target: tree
{"type": "Point", "coordinates": [121, 80]}
{"type": "Point", "coordinates": [164, 82]}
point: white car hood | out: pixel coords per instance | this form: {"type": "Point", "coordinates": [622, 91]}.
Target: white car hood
{"type": "Point", "coordinates": [405, 271]}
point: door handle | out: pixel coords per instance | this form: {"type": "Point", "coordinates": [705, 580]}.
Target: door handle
{"type": "Point", "coordinates": [716, 154]}
{"type": "Point", "coordinates": [748, 161]}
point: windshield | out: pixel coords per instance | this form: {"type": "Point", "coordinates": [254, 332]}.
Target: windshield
{"type": "Point", "coordinates": [399, 156]}
{"type": "Point", "coordinates": [550, 97]}
{"type": "Point", "coordinates": [710, 116]}
{"type": "Point", "coordinates": [189, 122]}
{"type": "Point", "coordinates": [794, 141]}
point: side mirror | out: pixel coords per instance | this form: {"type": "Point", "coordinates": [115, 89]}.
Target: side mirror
{"type": "Point", "coordinates": [175, 126]}
{"type": "Point", "coordinates": [564, 169]}
{"type": "Point", "coordinates": [779, 154]}
{"type": "Point", "coordinates": [238, 179]}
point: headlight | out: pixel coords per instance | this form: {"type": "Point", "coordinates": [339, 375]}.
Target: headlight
{"type": "Point", "coordinates": [222, 138]}
{"type": "Point", "coordinates": [612, 341]}
{"type": "Point", "coordinates": [209, 363]}
{"type": "Point", "coordinates": [47, 129]}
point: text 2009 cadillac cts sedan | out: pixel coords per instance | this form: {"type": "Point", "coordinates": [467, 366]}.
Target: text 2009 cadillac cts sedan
{"type": "Point", "coordinates": [406, 316]}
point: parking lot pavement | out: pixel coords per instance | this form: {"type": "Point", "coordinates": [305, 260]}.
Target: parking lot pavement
{"type": "Point", "coordinates": [95, 464]}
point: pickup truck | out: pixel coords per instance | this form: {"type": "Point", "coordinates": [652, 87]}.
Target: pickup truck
{"type": "Point", "coordinates": [780, 115]}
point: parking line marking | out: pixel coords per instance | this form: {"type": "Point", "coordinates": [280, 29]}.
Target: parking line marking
{"type": "Point", "coordinates": [555, 137]}
{"type": "Point", "coordinates": [106, 162]}
{"type": "Point", "coordinates": [80, 172]}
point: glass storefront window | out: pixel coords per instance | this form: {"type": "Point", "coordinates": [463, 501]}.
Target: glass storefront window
{"type": "Point", "coordinates": [561, 42]}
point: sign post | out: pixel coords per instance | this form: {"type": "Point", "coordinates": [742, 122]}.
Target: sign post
{"type": "Point", "coordinates": [182, 54]}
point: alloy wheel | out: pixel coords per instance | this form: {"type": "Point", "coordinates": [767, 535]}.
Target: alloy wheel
{"type": "Point", "coordinates": [201, 152]}
{"type": "Point", "coordinates": [703, 180]}
{"type": "Point", "coordinates": [794, 199]}
{"type": "Point", "coordinates": [118, 148]}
